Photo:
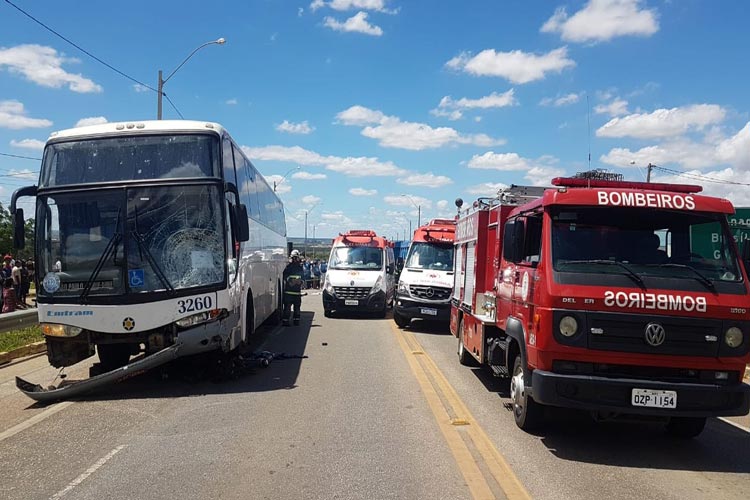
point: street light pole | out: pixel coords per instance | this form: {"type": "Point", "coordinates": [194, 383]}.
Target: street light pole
{"type": "Point", "coordinates": [419, 209]}
{"type": "Point", "coordinates": [307, 212]}
{"type": "Point", "coordinates": [162, 81]}
{"type": "Point", "coordinates": [276, 184]}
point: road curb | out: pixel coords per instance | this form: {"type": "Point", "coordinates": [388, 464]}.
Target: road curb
{"type": "Point", "coordinates": [27, 350]}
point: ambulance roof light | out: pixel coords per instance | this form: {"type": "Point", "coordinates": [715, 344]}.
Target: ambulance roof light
{"type": "Point", "coordinates": [651, 186]}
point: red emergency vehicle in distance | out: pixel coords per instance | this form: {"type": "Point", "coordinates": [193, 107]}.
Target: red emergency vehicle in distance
{"type": "Point", "coordinates": [361, 274]}
{"type": "Point", "coordinates": [589, 295]}
{"type": "Point", "coordinates": [426, 281]}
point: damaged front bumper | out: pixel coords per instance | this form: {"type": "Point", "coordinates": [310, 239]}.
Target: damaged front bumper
{"type": "Point", "coordinates": [203, 338]}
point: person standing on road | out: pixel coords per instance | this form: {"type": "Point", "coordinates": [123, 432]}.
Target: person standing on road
{"type": "Point", "coordinates": [315, 271]}
{"type": "Point", "coordinates": [306, 274]}
{"type": "Point", "coordinates": [16, 275]}
{"type": "Point", "coordinates": [292, 288]}
{"type": "Point", "coordinates": [323, 269]}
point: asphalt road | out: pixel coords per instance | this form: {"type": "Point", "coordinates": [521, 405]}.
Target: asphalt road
{"type": "Point", "coordinates": [372, 412]}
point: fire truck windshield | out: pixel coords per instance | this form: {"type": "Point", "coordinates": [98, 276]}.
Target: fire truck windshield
{"type": "Point", "coordinates": [438, 257]}
{"type": "Point", "coordinates": [669, 244]}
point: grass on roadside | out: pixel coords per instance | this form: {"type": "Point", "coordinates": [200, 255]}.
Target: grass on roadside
{"type": "Point", "coordinates": [19, 338]}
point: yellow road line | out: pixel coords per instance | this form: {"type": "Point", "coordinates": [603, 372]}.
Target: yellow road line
{"type": "Point", "coordinates": [494, 462]}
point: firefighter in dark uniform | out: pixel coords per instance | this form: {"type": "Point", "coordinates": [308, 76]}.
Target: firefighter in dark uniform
{"type": "Point", "coordinates": [292, 288]}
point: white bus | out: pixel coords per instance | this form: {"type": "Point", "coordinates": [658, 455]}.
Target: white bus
{"type": "Point", "coordinates": [151, 236]}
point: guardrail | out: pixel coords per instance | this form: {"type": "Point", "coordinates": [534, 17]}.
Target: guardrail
{"type": "Point", "coordinates": [18, 319]}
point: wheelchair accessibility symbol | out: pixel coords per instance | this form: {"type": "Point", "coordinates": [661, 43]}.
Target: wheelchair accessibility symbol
{"type": "Point", "coordinates": [136, 278]}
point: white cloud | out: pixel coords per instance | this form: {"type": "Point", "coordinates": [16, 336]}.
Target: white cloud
{"type": "Point", "coordinates": [92, 120]}
{"type": "Point", "coordinates": [231, 102]}
{"type": "Point", "coordinates": [43, 66]}
{"type": "Point", "coordinates": [343, 5]}
{"type": "Point", "coordinates": [616, 107]}
{"type": "Point", "coordinates": [310, 199]}
{"type": "Point", "coordinates": [352, 166]}
{"type": "Point", "coordinates": [452, 109]}
{"type": "Point", "coordinates": [34, 144]}
{"type": "Point", "coordinates": [425, 180]}
{"type": "Point", "coordinates": [295, 128]}
{"type": "Point", "coordinates": [540, 175]}
{"type": "Point", "coordinates": [486, 188]}
{"type": "Point", "coordinates": [281, 187]}
{"type": "Point", "coordinates": [738, 194]}
{"type": "Point", "coordinates": [308, 176]}
{"type": "Point", "coordinates": [300, 11]}
{"type": "Point", "coordinates": [499, 161]}
{"type": "Point", "coordinates": [23, 174]}
{"type": "Point", "coordinates": [560, 100]}
{"type": "Point", "coordinates": [602, 20]}
{"type": "Point", "coordinates": [356, 24]}
{"type": "Point", "coordinates": [13, 116]}
{"type": "Point", "coordinates": [515, 66]}
{"type": "Point", "coordinates": [663, 123]}
{"type": "Point", "coordinates": [391, 132]}
{"type": "Point", "coordinates": [140, 88]}
{"type": "Point", "coordinates": [736, 149]}
{"type": "Point", "coordinates": [442, 204]}
{"type": "Point", "coordinates": [410, 201]}
{"type": "Point", "coordinates": [363, 192]}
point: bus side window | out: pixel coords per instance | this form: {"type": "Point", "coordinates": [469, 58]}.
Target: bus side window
{"type": "Point", "coordinates": [228, 159]}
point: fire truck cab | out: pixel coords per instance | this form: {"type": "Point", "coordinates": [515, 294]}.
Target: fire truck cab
{"type": "Point", "coordinates": [426, 281]}
{"type": "Point", "coordinates": [361, 274]}
{"type": "Point", "coordinates": [590, 295]}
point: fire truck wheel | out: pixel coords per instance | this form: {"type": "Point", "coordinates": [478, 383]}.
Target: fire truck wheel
{"type": "Point", "coordinates": [685, 427]}
{"type": "Point", "coordinates": [526, 412]}
{"type": "Point", "coordinates": [464, 356]}
{"type": "Point", "coordinates": [401, 321]}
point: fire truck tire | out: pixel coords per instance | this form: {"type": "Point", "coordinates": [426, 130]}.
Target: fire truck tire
{"type": "Point", "coordinates": [685, 427]}
{"type": "Point", "coordinates": [527, 413]}
{"type": "Point", "coordinates": [401, 321]}
{"type": "Point", "coordinates": [113, 355]}
{"type": "Point", "coordinates": [464, 357]}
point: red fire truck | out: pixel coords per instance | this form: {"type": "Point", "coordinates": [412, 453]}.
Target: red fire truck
{"type": "Point", "coordinates": [589, 295]}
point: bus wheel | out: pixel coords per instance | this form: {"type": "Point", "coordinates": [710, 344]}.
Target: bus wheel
{"type": "Point", "coordinates": [527, 413]}
{"type": "Point", "coordinates": [113, 356]}
{"type": "Point", "coordinates": [464, 356]}
{"type": "Point", "coordinates": [279, 312]}
{"type": "Point", "coordinates": [685, 427]}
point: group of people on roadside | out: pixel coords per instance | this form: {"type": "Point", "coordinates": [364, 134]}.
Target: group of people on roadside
{"type": "Point", "coordinates": [313, 273]}
{"type": "Point", "coordinates": [15, 283]}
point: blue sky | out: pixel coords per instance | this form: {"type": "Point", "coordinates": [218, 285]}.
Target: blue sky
{"type": "Point", "coordinates": [375, 99]}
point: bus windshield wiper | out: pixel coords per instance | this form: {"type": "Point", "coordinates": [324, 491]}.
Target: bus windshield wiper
{"type": "Point", "coordinates": [111, 248]}
{"type": "Point", "coordinates": [698, 275]}
{"type": "Point", "coordinates": [628, 271]}
{"type": "Point", "coordinates": [149, 257]}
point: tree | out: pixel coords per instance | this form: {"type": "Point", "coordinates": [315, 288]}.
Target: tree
{"type": "Point", "coordinates": [6, 236]}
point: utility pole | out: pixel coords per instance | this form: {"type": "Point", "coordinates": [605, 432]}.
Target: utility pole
{"type": "Point", "coordinates": [648, 172]}
{"type": "Point", "coordinates": [159, 91]}
{"type": "Point", "coordinates": [419, 215]}
{"type": "Point", "coordinates": [305, 233]}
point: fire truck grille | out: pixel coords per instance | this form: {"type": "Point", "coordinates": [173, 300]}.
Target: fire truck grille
{"type": "Point", "coordinates": [352, 292]}
{"type": "Point", "coordinates": [671, 335]}
{"type": "Point", "coordinates": [429, 292]}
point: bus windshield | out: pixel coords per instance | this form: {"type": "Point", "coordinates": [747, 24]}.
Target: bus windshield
{"type": "Point", "coordinates": [130, 158]}
{"type": "Point", "coordinates": [356, 258]}
{"type": "Point", "coordinates": [430, 256]}
{"type": "Point", "coordinates": [669, 244]}
{"type": "Point", "coordinates": [134, 240]}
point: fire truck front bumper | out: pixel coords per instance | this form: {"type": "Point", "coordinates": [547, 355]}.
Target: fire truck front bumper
{"type": "Point", "coordinates": [624, 396]}
{"type": "Point", "coordinates": [425, 310]}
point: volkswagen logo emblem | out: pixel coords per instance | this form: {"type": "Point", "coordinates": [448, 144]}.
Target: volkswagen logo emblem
{"type": "Point", "coordinates": [429, 292]}
{"type": "Point", "coordinates": [655, 334]}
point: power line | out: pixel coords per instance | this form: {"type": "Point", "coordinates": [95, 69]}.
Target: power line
{"type": "Point", "coordinates": [19, 156]}
{"type": "Point", "coordinates": [700, 177]}
{"type": "Point", "coordinates": [19, 9]}
{"type": "Point", "coordinates": [172, 104]}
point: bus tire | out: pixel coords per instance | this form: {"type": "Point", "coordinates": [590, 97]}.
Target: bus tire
{"type": "Point", "coordinates": [464, 357]}
{"type": "Point", "coordinates": [527, 413]}
{"type": "Point", "coordinates": [249, 319]}
{"type": "Point", "coordinates": [113, 356]}
{"type": "Point", "coordinates": [278, 313]}
{"type": "Point", "coordinates": [685, 427]}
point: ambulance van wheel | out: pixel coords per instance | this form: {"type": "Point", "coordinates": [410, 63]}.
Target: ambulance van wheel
{"type": "Point", "coordinates": [685, 427]}
{"type": "Point", "coordinates": [401, 321]}
{"type": "Point", "coordinates": [464, 356]}
{"type": "Point", "coordinates": [527, 413]}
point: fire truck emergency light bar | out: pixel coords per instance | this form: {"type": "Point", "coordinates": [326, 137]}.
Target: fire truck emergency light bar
{"type": "Point", "coordinates": [651, 186]}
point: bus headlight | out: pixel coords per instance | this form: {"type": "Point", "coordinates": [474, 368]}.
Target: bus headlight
{"type": "Point", "coordinates": [733, 337]}
{"type": "Point", "coordinates": [55, 330]}
{"type": "Point", "coordinates": [568, 326]}
{"type": "Point", "coordinates": [202, 317]}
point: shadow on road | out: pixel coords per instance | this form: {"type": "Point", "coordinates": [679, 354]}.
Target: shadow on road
{"type": "Point", "coordinates": [421, 326]}
{"type": "Point", "coordinates": [214, 373]}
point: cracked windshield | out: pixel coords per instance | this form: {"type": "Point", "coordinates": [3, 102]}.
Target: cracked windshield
{"type": "Point", "coordinates": [375, 249]}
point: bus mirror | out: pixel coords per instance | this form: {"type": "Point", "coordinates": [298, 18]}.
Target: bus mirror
{"type": "Point", "coordinates": [243, 227]}
{"type": "Point", "coordinates": [19, 235]}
